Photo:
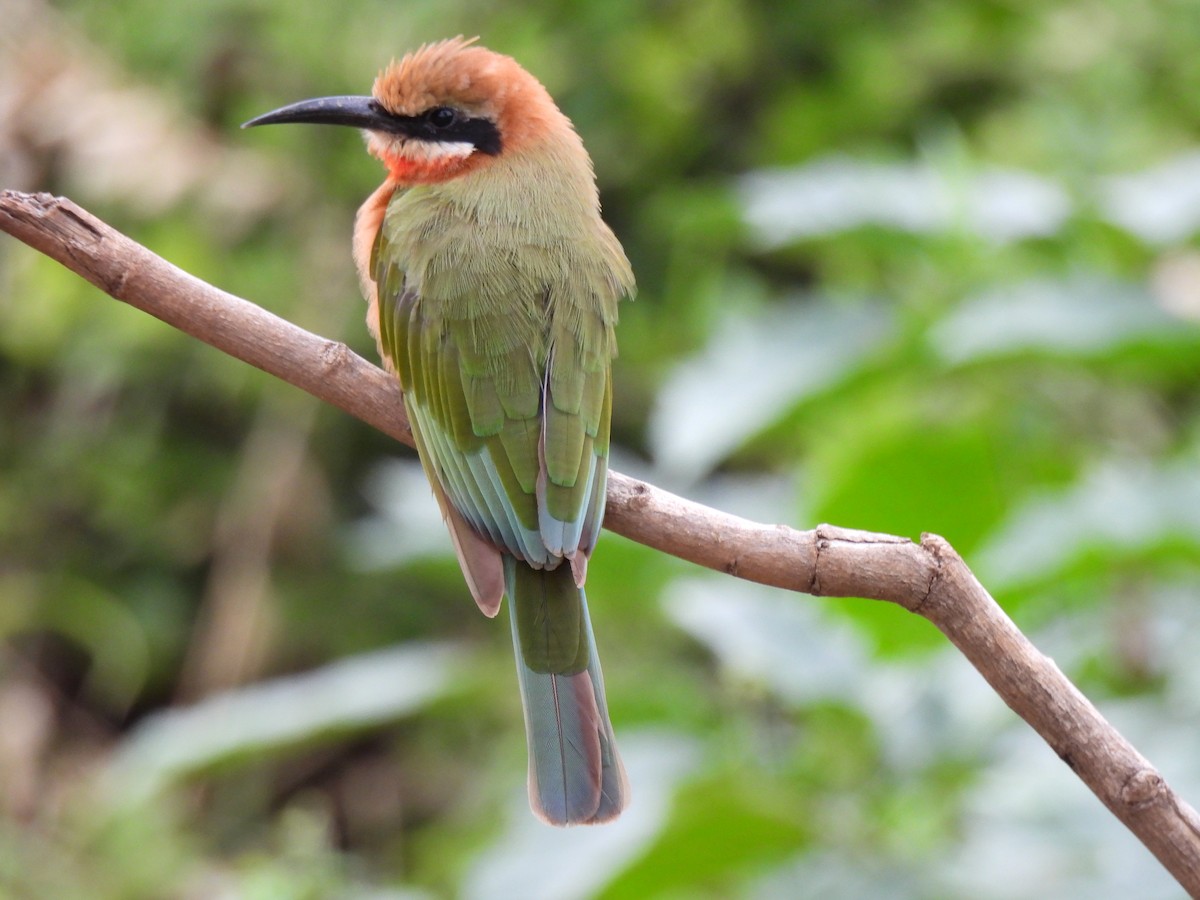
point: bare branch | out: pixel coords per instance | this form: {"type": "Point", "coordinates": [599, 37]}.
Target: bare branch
{"type": "Point", "coordinates": [928, 579]}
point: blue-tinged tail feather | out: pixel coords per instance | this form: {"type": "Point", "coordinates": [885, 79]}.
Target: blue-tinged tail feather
{"type": "Point", "coordinates": [575, 773]}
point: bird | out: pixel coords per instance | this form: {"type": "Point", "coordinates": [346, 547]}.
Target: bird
{"type": "Point", "coordinates": [492, 285]}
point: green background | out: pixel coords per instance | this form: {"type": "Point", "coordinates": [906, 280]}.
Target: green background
{"type": "Point", "coordinates": [903, 266]}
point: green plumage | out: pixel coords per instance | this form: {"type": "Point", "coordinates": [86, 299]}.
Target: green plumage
{"type": "Point", "coordinates": [500, 327]}
{"type": "Point", "coordinates": [496, 310]}
{"type": "Point", "coordinates": [551, 626]}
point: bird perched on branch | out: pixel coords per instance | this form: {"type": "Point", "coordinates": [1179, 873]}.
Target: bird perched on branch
{"type": "Point", "coordinates": [492, 287]}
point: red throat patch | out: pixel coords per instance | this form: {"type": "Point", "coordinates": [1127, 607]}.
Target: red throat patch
{"type": "Point", "coordinates": [408, 170]}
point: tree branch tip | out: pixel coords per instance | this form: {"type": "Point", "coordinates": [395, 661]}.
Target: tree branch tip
{"type": "Point", "coordinates": [26, 200]}
{"type": "Point", "coordinates": [35, 208]}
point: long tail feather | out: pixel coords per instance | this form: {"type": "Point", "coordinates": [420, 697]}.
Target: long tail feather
{"type": "Point", "coordinates": [575, 773]}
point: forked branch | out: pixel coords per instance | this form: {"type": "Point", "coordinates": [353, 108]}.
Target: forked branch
{"type": "Point", "coordinates": [928, 578]}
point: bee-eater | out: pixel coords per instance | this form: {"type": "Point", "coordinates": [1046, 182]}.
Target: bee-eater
{"type": "Point", "coordinates": [492, 287]}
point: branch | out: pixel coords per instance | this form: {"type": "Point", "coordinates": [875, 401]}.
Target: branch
{"type": "Point", "coordinates": [928, 579]}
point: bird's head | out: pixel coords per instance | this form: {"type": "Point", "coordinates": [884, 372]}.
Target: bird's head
{"type": "Point", "coordinates": [442, 111]}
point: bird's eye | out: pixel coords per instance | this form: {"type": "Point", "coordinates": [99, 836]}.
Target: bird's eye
{"type": "Point", "coordinates": [442, 117]}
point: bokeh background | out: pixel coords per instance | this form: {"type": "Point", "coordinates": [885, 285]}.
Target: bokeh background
{"type": "Point", "coordinates": [904, 266]}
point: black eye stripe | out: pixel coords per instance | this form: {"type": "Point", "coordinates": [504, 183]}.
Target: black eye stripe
{"type": "Point", "coordinates": [482, 133]}
{"type": "Point", "coordinates": [443, 124]}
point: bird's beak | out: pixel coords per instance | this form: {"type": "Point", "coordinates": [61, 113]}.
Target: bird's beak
{"type": "Point", "coordinates": [357, 112]}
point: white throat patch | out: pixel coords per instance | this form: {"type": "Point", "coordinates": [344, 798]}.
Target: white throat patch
{"type": "Point", "coordinates": [416, 150]}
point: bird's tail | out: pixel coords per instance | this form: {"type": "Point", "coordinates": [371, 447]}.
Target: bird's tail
{"type": "Point", "coordinates": [575, 773]}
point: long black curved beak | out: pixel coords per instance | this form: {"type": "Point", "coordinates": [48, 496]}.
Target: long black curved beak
{"type": "Point", "coordinates": [357, 112]}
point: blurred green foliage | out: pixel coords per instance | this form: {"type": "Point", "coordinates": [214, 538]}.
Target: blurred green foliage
{"type": "Point", "coordinates": [903, 266]}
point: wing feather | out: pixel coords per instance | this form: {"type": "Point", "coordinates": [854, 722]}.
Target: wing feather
{"type": "Point", "coordinates": [505, 364]}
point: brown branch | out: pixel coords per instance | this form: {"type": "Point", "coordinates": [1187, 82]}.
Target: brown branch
{"type": "Point", "coordinates": [928, 579]}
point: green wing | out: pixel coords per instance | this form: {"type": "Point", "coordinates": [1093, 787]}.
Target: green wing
{"type": "Point", "coordinates": [504, 354]}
